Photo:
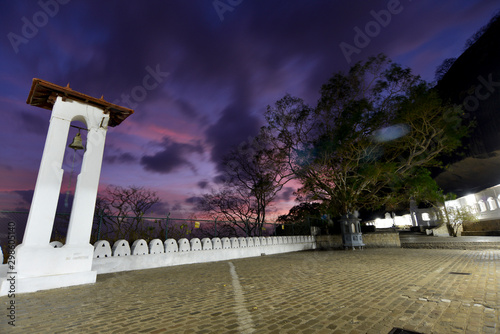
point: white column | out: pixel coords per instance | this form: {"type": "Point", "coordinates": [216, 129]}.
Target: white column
{"type": "Point", "coordinates": [82, 213]}
{"type": "Point", "coordinates": [48, 183]}
{"type": "Point", "coordinates": [38, 265]}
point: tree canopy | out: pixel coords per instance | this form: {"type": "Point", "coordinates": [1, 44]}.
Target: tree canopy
{"type": "Point", "coordinates": [369, 139]}
{"type": "Point", "coordinates": [300, 213]}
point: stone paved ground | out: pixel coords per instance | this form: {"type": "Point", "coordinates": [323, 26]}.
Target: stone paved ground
{"type": "Point", "coordinates": [369, 291]}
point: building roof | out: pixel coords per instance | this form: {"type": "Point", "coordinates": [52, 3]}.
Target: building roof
{"type": "Point", "coordinates": [43, 94]}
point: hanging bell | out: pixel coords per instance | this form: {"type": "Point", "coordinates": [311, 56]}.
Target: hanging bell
{"type": "Point", "coordinates": [77, 143]}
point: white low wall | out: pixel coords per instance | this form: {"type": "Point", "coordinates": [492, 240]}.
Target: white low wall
{"type": "Point", "coordinates": [121, 257]}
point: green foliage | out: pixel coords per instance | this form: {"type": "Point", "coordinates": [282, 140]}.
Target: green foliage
{"type": "Point", "coordinates": [370, 139]}
{"type": "Point", "coordinates": [457, 217]}
{"type": "Point", "coordinates": [419, 185]}
{"type": "Point", "coordinates": [301, 213]}
{"type": "Point", "coordinates": [304, 216]}
{"type": "Point", "coordinates": [178, 231]}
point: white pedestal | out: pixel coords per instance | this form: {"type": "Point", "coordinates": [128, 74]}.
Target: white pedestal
{"type": "Point", "coordinates": [32, 284]}
{"type": "Point", "coordinates": [39, 268]}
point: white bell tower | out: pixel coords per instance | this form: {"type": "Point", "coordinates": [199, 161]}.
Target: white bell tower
{"type": "Point", "coordinates": [39, 266]}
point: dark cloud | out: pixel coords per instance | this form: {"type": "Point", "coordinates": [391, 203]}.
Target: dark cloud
{"type": "Point", "coordinates": [193, 200]}
{"type": "Point", "coordinates": [34, 123]}
{"type": "Point", "coordinates": [64, 202]}
{"type": "Point", "coordinates": [26, 195]}
{"type": "Point", "coordinates": [186, 108]}
{"type": "Point", "coordinates": [203, 184]}
{"type": "Point", "coordinates": [172, 157]}
{"type": "Point", "coordinates": [234, 126]}
{"type": "Point", "coordinates": [22, 207]}
{"type": "Point", "coordinates": [286, 193]}
{"type": "Point", "coordinates": [159, 209]}
{"type": "Point", "coordinates": [122, 158]}
{"type": "Point", "coordinates": [220, 179]}
{"type": "Point", "coordinates": [147, 43]}
{"type": "Point", "coordinates": [177, 207]}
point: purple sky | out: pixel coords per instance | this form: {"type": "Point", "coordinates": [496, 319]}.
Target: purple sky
{"type": "Point", "coordinates": [216, 66]}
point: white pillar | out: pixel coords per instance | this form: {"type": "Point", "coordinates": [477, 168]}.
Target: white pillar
{"type": "Point", "coordinates": [38, 265]}
{"type": "Point", "coordinates": [48, 183]}
{"type": "Point", "coordinates": [82, 213]}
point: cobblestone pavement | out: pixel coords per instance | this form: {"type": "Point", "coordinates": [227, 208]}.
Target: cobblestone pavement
{"type": "Point", "coordinates": [368, 291]}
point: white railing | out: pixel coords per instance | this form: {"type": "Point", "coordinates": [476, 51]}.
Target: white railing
{"type": "Point", "coordinates": [142, 255]}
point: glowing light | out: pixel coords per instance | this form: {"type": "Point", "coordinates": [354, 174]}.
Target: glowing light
{"type": "Point", "coordinates": [391, 132]}
{"type": "Point", "coordinates": [470, 199]}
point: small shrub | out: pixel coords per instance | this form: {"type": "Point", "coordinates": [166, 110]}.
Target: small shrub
{"type": "Point", "coordinates": [457, 217]}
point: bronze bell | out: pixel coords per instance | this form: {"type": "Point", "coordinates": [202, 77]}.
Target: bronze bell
{"type": "Point", "coordinates": [77, 143]}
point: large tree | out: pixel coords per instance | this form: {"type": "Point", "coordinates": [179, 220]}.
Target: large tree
{"type": "Point", "coordinates": [253, 174]}
{"type": "Point", "coordinates": [373, 131]}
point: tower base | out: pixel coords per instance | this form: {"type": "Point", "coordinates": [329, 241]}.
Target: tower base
{"type": "Point", "coordinates": [13, 284]}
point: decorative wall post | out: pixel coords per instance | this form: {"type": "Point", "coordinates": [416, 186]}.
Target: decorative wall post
{"type": "Point", "coordinates": [351, 231]}
{"type": "Point", "coordinates": [38, 265]}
